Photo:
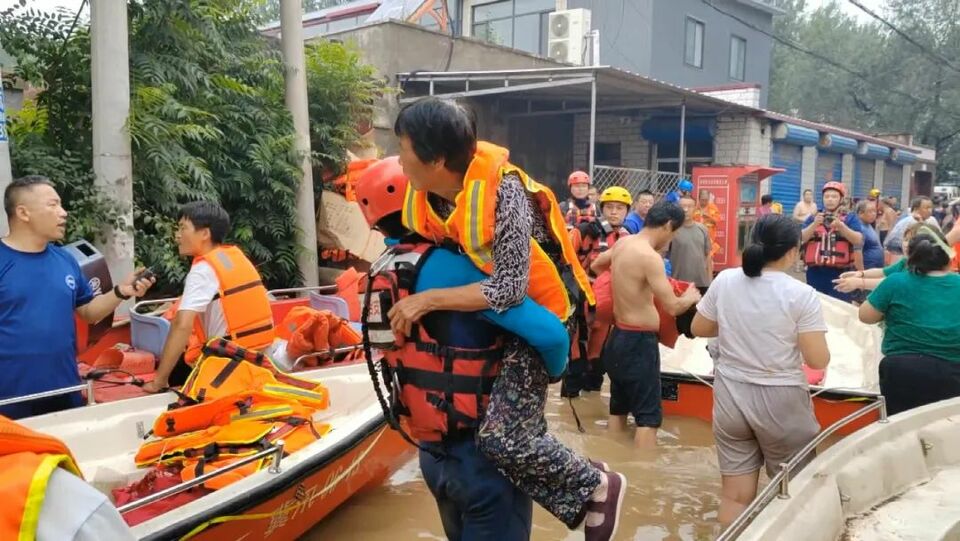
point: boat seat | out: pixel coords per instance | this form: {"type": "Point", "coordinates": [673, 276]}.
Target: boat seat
{"type": "Point", "coordinates": [148, 332]}
{"type": "Point", "coordinates": [928, 512]}
{"type": "Point", "coordinates": [333, 303]}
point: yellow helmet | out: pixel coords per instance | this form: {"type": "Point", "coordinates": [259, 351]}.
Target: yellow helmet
{"type": "Point", "coordinates": [875, 192]}
{"type": "Point", "coordinates": [616, 194]}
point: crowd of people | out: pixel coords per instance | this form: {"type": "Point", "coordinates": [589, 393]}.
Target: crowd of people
{"type": "Point", "coordinates": [501, 304]}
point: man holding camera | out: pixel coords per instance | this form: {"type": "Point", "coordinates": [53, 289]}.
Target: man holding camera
{"type": "Point", "coordinates": [830, 238]}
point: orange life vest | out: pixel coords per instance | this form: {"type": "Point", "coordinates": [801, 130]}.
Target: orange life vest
{"type": "Point", "coordinates": [234, 404]}
{"type": "Point", "coordinates": [439, 388]}
{"type": "Point", "coordinates": [244, 299]}
{"type": "Point", "coordinates": [574, 215]}
{"type": "Point", "coordinates": [828, 248]}
{"type": "Point", "coordinates": [473, 221]}
{"type": "Point", "coordinates": [27, 460]}
{"type": "Point", "coordinates": [215, 377]}
{"type": "Point", "coordinates": [598, 237]}
{"type": "Point", "coordinates": [667, 333]}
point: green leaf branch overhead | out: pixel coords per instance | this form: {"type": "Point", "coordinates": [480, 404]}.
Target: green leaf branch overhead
{"type": "Point", "coordinates": [207, 121]}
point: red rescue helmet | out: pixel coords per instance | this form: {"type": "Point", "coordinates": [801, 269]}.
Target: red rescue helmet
{"type": "Point", "coordinates": [381, 189]}
{"type": "Point", "coordinates": [578, 177]}
{"type": "Point", "coordinates": [834, 185]}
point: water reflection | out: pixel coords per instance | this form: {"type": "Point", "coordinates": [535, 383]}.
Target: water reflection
{"type": "Point", "coordinates": [672, 494]}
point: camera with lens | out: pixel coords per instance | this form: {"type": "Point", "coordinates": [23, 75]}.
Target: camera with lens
{"type": "Point", "coordinates": [828, 219]}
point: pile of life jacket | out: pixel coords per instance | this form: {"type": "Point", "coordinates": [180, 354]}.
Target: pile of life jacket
{"type": "Point", "coordinates": [828, 248]}
{"type": "Point", "coordinates": [234, 404]}
{"type": "Point", "coordinates": [307, 330]}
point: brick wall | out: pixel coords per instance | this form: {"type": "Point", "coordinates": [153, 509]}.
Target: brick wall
{"type": "Point", "coordinates": [742, 140]}
{"type": "Point", "coordinates": [743, 96]}
{"type": "Point", "coordinates": [634, 149]}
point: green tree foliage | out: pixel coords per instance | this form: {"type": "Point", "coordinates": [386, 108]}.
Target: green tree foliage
{"type": "Point", "coordinates": [208, 121]}
{"type": "Point", "coordinates": [894, 85]}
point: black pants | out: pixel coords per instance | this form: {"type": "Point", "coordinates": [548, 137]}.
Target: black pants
{"type": "Point", "coordinates": [911, 381]}
{"type": "Point", "coordinates": [180, 373]}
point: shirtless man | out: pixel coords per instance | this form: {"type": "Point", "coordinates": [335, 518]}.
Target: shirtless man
{"type": "Point", "coordinates": [632, 351]}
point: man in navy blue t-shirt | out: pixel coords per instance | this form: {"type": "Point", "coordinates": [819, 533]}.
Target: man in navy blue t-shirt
{"type": "Point", "coordinates": [831, 219]}
{"type": "Point", "coordinates": [41, 287]}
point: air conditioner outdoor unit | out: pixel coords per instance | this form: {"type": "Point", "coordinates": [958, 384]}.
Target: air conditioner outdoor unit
{"type": "Point", "coordinates": [567, 41]}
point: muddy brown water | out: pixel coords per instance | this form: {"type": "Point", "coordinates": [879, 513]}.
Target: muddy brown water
{"type": "Point", "coordinates": [672, 495]}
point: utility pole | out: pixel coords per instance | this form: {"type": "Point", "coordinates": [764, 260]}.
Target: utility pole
{"type": "Point", "coordinates": [295, 77]}
{"type": "Point", "coordinates": [110, 84]}
{"type": "Point", "coordinates": [6, 170]}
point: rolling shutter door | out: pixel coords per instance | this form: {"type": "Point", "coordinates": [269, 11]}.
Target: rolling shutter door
{"type": "Point", "coordinates": [785, 187]}
{"type": "Point", "coordinates": [863, 173]}
{"type": "Point", "coordinates": [829, 168]}
{"type": "Point", "coordinates": [893, 180]}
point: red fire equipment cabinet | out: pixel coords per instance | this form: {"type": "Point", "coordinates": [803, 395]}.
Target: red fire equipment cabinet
{"type": "Point", "coordinates": [735, 190]}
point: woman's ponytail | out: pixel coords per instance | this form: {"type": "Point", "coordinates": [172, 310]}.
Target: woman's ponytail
{"type": "Point", "coordinates": [753, 260]}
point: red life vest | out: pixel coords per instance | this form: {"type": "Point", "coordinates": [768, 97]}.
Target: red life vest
{"type": "Point", "coordinates": [600, 237]}
{"type": "Point", "coordinates": [828, 248]}
{"type": "Point", "coordinates": [575, 215]}
{"type": "Point", "coordinates": [440, 388]}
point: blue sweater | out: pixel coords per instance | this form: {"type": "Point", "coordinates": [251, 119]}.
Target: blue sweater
{"type": "Point", "coordinates": [528, 320]}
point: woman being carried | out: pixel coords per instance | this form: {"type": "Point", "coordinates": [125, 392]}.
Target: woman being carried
{"type": "Point", "coordinates": [767, 325]}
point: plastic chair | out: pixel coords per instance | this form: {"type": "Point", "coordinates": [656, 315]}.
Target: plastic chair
{"type": "Point", "coordinates": [148, 333]}
{"type": "Point", "coordinates": [335, 304]}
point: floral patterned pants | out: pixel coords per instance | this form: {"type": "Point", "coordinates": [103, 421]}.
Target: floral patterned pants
{"type": "Point", "coordinates": [514, 436]}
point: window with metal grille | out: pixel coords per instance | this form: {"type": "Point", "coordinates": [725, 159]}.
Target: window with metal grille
{"type": "Point", "coordinates": [520, 24]}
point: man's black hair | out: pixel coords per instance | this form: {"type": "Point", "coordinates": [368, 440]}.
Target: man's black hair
{"type": "Point", "coordinates": [439, 129]}
{"type": "Point", "coordinates": [207, 215]}
{"type": "Point", "coordinates": [665, 212]}
{"type": "Point", "coordinates": [918, 202]}
{"type": "Point", "coordinates": [766, 199]}
{"type": "Point", "coordinates": [11, 195]}
{"type": "Point", "coordinates": [645, 192]}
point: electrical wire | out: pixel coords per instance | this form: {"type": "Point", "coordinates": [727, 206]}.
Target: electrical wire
{"type": "Point", "coordinates": [799, 48]}
{"type": "Point", "coordinates": [942, 60]}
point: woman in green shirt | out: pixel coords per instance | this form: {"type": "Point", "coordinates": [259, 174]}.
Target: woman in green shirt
{"type": "Point", "coordinates": [921, 339]}
{"type": "Point", "coordinates": [869, 279]}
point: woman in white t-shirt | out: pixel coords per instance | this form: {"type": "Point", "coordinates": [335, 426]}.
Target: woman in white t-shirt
{"type": "Point", "coordinates": [767, 324]}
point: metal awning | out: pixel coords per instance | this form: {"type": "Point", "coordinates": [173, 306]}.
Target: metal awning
{"type": "Point", "coordinates": [563, 90]}
{"type": "Point", "coordinates": [568, 90]}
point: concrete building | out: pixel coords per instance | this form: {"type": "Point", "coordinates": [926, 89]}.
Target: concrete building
{"type": "Point", "coordinates": [689, 43]}
{"type": "Point", "coordinates": [542, 111]}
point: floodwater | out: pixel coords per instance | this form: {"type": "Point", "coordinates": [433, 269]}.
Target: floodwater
{"type": "Point", "coordinates": [672, 495]}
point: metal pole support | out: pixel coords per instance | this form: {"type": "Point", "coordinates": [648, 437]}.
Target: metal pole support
{"type": "Point", "coordinates": [883, 409]}
{"type": "Point", "coordinates": [784, 492]}
{"type": "Point", "coordinates": [278, 454]}
{"type": "Point", "coordinates": [91, 399]}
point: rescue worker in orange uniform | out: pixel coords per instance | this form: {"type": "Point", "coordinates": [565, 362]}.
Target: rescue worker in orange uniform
{"type": "Point", "coordinates": [708, 214]}
{"type": "Point", "coordinates": [45, 497]}
{"type": "Point", "coordinates": [579, 207]}
{"type": "Point", "coordinates": [223, 296]}
{"type": "Point", "coordinates": [590, 240]}
{"type": "Point", "coordinates": [466, 192]}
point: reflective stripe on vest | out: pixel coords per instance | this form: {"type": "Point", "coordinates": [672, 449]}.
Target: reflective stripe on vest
{"type": "Point", "coordinates": [27, 460]}
{"type": "Point", "coordinates": [472, 226]}
{"type": "Point", "coordinates": [243, 299]}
